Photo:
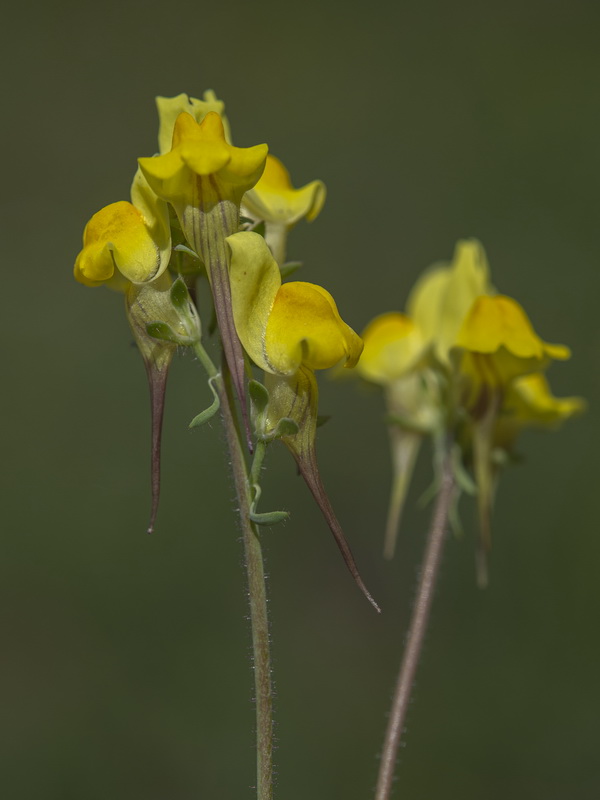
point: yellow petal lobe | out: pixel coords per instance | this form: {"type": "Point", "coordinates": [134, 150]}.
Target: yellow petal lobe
{"type": "Point", "coordinates": [169, 108]}
{"type": "Point", "coordinates": [495, 322]}
{"type": "Point", "coordinates": [393, 346]}
{"type": "Point", "coordinates": [275, 200]}
{"type": "Point", "coordinates": [117, 235]}
{"type": "Point", "coordinates": [530, 401]}
{"type": "Point", "coordinates": [305, 328]}
{"type": "Point", "coordinates": [255, 280]}
{"type": "Point", "coordinates": [441, 299]}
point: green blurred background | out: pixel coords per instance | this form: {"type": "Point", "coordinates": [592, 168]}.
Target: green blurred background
{"type": "Point", "coordinates": [125, 667]}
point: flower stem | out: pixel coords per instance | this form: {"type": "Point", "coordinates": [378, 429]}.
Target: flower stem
{"type": "Point", "coordinates": [256, 588]}
{"type": "Point", "coordinates": [416, 633]}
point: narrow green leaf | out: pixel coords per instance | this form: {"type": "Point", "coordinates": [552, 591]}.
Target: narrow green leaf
{"type": "Point", "coordinates": [209, 412]}
{"type": "Point", "coordinates": [269, 517]}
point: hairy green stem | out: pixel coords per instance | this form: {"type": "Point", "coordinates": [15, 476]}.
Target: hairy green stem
{"type": "Point", "coordinates": [416, 633]}
{"type": "Point", "coordinates": [256, 588]}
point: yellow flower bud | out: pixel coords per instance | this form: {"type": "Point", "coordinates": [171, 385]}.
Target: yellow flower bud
{"type": "Point", "coordinates": [169, 108]}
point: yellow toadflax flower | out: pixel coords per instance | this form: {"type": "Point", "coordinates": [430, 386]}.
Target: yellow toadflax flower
{"type": "Point", "coordinates": [284, 326]}
{"type": "Point", "coordinates": [126, 241]}
{"type": "Point", "coordinates": [289, 330]}
{"type": "Point", "coordinates": [529, 402]}
{"type": "Point", "coordinates": [499, 343]}
{"type": "Point", "coordinates": [203, 177]}
{"type": "Point", "coordinates": [200, 170]}
{"type": "Point", "coordinates": [464, 364]}
{"type": "Point", "coordinates": [395, 358]}
{"type": "Point", "coordinates": [442, 297]}
{"type": "Point", "coordinates": [275, 201]}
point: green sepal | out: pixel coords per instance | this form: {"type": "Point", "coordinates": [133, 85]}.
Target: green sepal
{"type": "Point", "coordinates": [322, 419]}
{"type": "Point", "coordinates": [182, 248]}
{"type": "Point", "coordinates": [259, 396]}
{"type": "Point", "coordinates": [179, 294]}
{"type": "Point", "coordinates": [285, 427]}
{"type": "Point", "coordinates": [289, 268]}
{"type": "Point", "coordinates": [209, 412]}
{"type": "Point", "coordinates": [162, 331]}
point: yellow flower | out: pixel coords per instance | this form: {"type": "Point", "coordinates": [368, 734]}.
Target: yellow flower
{"type": "Point", "coordinates": [465, 362]}
{"type": "Point", "coordinates": [289, 331]}
{"type": "Point", "coordinates": [275, 201]}
{"type": "Point", "coordinates": [393, 346]}
{"type": "Point", "coordinates": [204, 178]}
{"type": "Point", "coordinates": [442, 297]}
{"type": "Point", "coordinates": [284, 327]}
{"type": "Point", "coordinates": [169, 108]}
{"type": "Point", "coordinates": [394, 357]}
{"type": "Point", "coordinates": [133, 237]}
{"type": "Point", "coordinates": [529, 402]}
{"type": "Point", "coordinates": [500, 343]}
{"type": "Point", "coordinates": [202, 168]}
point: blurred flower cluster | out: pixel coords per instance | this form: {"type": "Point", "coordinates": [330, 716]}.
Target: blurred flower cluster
{"type": "Point", "coordinates": [462, 365]}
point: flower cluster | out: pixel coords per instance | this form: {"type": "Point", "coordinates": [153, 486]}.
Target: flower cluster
{"type": "Point", "coordinates": [463, 363]}
{"type": "Point", "coordinates": [195, 211]}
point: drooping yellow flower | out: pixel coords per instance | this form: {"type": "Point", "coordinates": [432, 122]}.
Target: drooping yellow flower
{"type": "Point", "coordinates": [529, 402]}
{"type": "Point", "coordinates": [169, 108]}
{"type": "Point", "coordinates": [465, 364]}
{"type": "Point", "coordinates": [500, 343]}
{"type": "Point", "coordinates": [289, 331]}
{"type": "Point", "coordinates": [393, 345]}
{"type": "Point", "coordinates": [394, 358]}
{"type": "Point", "coordinates": [442, 297]}
{"type": "Point", "coordinates": [274, 199]}
{"type": "Point", "coordinates": [284, 327]}
{"type": "Point", "coordinates": [276, 202]}
{"type": "Point", "coordinates": [126, 241]}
